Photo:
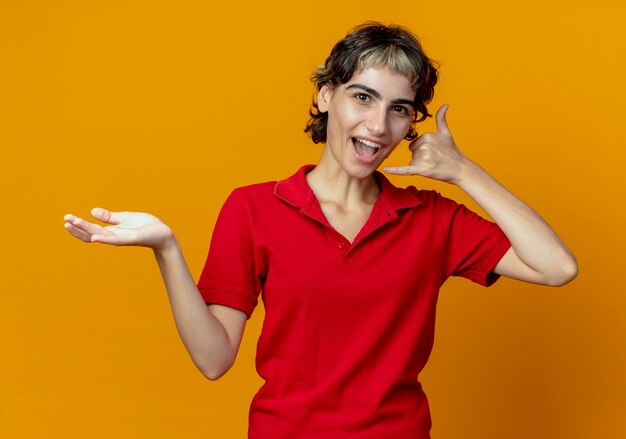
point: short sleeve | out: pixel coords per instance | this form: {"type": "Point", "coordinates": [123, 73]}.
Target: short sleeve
{"type": "Point", "coordinates": [229, 276]}
{"type": "Point", "coordinates": [474, 245]}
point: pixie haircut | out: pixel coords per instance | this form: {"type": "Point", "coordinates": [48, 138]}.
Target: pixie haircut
{"type": "Point", "coordinates": [375, 44]}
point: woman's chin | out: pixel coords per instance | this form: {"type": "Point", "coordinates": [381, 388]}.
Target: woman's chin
{"type": "Point", "coordinates": [360, 170]}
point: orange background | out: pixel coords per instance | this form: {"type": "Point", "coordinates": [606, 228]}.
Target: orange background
{"type": "Point", "coordinates": [166, 106]}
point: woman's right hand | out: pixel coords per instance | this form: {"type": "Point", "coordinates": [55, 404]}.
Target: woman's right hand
{"type": "Point", "coordinates": [127, 228]}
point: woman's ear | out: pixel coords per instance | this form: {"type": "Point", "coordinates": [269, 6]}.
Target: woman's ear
{"type": "Point", "coordinates": [323, 98]}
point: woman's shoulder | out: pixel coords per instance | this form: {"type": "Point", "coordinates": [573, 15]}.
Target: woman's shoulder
{"type": "Point", "coordinates": [253, 194]}
{"type": "Point", "coordinates": [425, 195]}
{"type": "Point", "coordinates": [432, 198]}
{"type": "Point", "coordinates": [256, 188]}
{"type": "Point", "coordinates": [411, 195]}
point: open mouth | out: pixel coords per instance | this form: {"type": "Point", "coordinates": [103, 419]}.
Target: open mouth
{"type": "Point", "coordinates": [366, 149]}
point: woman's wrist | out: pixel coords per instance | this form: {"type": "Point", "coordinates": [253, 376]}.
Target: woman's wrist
{"type": "Point", "coordinates": [168, 246]}
{"type": "Point", "coordinates": [467, 171]}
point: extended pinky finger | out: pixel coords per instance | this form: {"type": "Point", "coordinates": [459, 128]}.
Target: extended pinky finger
{"type": "Point", "coordinates": [402, 170]}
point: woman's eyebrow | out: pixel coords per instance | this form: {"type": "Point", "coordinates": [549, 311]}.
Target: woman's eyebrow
{"type": "Point", "coordinates": [365, 88]}
{"type": "Point", "coordinates": [377, 95]}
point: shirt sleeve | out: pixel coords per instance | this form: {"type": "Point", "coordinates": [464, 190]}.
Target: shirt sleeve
{"type": "Point", "coordinates": [229, 275]}
{"type": "Point", "coordinates": [474, 245]}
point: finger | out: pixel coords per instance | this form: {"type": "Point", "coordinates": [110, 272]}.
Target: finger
{"type": "Point", "coordinates": [102, 214]}
{"type": "Point", "coordinates": [85, 226]}
{"type": "Point", "coordinates": [106, 216]}
{"type": "Point", "coordinates": [422, 140]}
{"type": "Point", "coordinates": [442, 123]}
{"type": "Point", "coordinates": [115, 236]}
{"type": "Point", "coordinates": [403, 170]}
{"type": "Point", "coordinates": [77, 233]}
{"type": "Point", "coordinates": [414, 145]}
{"type": "Point", "coordinates": [105, 239]}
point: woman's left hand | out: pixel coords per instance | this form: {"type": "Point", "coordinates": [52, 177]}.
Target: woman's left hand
{"type": "Point", "coordinates": [537, 255]}
{"type": "Point", "coordinates": [435, 155]}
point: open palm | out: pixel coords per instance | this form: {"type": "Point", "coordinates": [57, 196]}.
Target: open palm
{"type": "Point", "coordinates": [126, 228]}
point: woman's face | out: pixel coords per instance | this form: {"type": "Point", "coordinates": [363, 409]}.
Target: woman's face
{"type": "Point", "coordinates": [367, 118]}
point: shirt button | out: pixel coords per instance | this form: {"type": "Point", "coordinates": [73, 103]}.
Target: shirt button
{"type": "Point", "coordinates": [341, 244]}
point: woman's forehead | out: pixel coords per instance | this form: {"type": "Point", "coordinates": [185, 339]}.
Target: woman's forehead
{"type": "Point", "coordinates": [383, 79]}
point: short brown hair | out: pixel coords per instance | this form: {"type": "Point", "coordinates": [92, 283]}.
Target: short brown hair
{"type": "Point", "coordinates": [373, 43]}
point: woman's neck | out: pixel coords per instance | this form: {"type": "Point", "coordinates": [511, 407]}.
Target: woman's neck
{"type": "Point", "coordinates": [331, 183]}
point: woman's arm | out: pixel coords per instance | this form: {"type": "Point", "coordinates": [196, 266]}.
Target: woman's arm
{"type": "Point", "coordinates": [537, 255]}
{"type": "Point", "coordinates": [212, 334]}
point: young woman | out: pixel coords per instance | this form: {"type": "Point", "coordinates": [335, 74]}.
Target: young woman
{"type": "Point", "coordinates": [348, 265]}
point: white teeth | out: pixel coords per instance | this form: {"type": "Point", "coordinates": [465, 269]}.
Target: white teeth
{"type": "Point", "coordinates": [369, 143]}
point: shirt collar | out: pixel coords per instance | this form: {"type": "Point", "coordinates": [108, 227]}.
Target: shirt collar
{"type": "Point", "coordinates": [296, 191]}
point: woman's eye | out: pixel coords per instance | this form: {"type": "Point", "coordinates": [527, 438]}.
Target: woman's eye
{"type": "Point", "coordinates": [362, 97]}
{"type": "Point", "coordinates": [400, 109]}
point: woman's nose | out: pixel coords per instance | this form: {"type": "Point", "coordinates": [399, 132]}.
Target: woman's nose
{"type": "Point", "coordinates": [376, 122]}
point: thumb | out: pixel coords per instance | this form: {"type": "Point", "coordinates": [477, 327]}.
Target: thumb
{"type": "Point", "coordinates": [106, 216]}
{"type": "Point", "coordinates": [440, 118]}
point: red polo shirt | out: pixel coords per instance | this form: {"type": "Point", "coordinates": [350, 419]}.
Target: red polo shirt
{"type": "Point", "coordinates": [348, 326]}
